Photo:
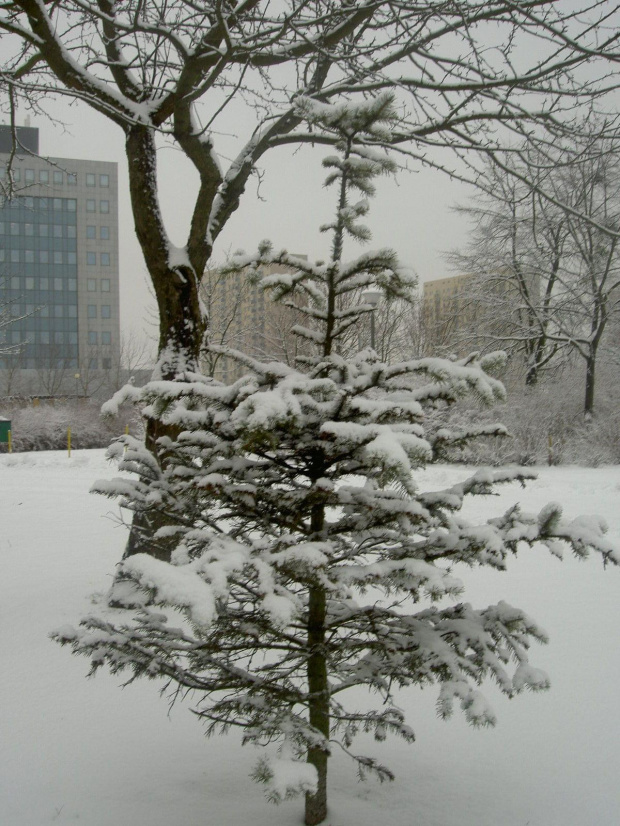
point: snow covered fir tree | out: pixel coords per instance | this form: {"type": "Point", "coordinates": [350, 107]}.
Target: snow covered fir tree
{"type": "Point", "coordinates": [306, 563]}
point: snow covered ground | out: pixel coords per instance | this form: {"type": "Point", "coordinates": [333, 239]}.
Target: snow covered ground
{"type": "Point", "coordinates": [85, 752]}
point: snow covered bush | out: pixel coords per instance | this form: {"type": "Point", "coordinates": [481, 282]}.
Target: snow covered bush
{"type": "Point", "coordinates": [306, 561]}
{"type": "Point", "coordinates": [45, 427]}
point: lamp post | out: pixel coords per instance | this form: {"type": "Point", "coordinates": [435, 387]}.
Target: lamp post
{"type": "Point", "coordinates": [77, 387]}
{"type": "Point", "coordinates": [372, 297]}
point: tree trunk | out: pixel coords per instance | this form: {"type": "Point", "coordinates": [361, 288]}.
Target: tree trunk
{"type": "Point", "coordinates": [181, 321]}
{"type": "Point", "coordinates": [590, 384]}
{"type": "Point", "coordinates": [318, 687]}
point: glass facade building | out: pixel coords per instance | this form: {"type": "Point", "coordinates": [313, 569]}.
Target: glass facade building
{"type": "Point", "coordinates": [59, 284]}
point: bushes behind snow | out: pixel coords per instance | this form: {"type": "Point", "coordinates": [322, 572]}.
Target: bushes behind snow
{"type": "Point", "coordinates": [45, 427]}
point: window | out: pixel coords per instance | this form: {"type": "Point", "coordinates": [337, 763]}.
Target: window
{"type": "Point", "coordinates": [57, 230]}
{"type": "Point", "coordinates": [105, 259]}
{"type": "Point", "coordinates": [106, 311]}
{"type": "Point", "coordinates": [58, 284]}
{"type": "Point", "coordinates": [71, 205]}
{"type": "Point", "coordinates": [91, 259]}
{"type": "Point", "coordinates": [59, 337]}
{"type": "Point", "coordinates": [43, 203]}
{"type": "Point", "coordinates": [72, 284]}
{"type": "Point", "coordinates": [72, 338]}
{"type": "Point", "coordinates": [29, 230]}
{"type": "Point", "coordinates": [30, 283]}
{"type": "Point", "coordinates": [44, 337]}
{"type": "Point", "coordinates": [57, 257]}
{"type": "Point", "coordinates": [91, 205]}
{"type": "Point", "coordinates": [91, 311]}
{"type": "Point", "coordinates": [1, 227]}
{"type": "Point", "coordinates": [104, 233]}
{"type": "Point", "coordinates": [59, 311]}
{"type": "Point", "coordinates": [15, 282]}
{"type": "Point", "coordinates": [57, 204]}
{"type": "Point", "coordinates": [71, 179]}
{"type": "Point", "coordinates": [29, 202]}
{"type": "Point", "coordinates": [17, 175]}
{"type": "Point", "coordinates": [14, 256]}
{"type": "Point", "coordinates": [105, 285]}
{"type": "Point", "coordinates": [44, 257]}
{"type": "Point", "coordinates": [104, 206]}
{"type": "Point", "coordinates": [29, 176]}
{"type": "Point", "coordinates": [106, 363]}
{"type": "Point", "coordinates": [29, 256]}
{"type": "Point", "coordinates": [2, 251]}
{"type": "Point", "coordinates": [106, 337]}
{"type": "Point", "coordinates": [71, 258]}
{"type": "Point", "coordinates": [58, 177]}
{"type": "Point", "coordinates": [44, 285]}
{"type": "Point", "coordinates": [92, 364]}
{"type": "Point", "coordinates": [91, 285]}
{"type": "Point", "coordinates": [44, 176]}
{"type": "Point", "coordinates": [91, 231]}
{"type": "Point", "coordinates": [14, 229]}
{"type": "Point", "coordinates": [71, 231]}
{"type": "Point", "coordinates": [90, 179]}
{"type": "Point", "coordinates": [72, 311]}
{"type": "Point", "coordinates": [43, 230]}
{"type": "Point", "coordinates": [104, 180]}
{"type": "Point", "coordinates": [92, 337]}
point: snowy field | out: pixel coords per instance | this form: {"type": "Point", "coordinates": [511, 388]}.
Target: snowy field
{"type": "Point", "coordinates": [85, 752]}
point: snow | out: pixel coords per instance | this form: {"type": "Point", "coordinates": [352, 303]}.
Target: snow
{"type": "Point", "coordinates": [83, 751]}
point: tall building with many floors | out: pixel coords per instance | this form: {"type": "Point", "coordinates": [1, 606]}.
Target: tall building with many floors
{"type": "Point", "coordinates": [59, 267]}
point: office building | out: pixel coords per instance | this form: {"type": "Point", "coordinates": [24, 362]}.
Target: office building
{"type": "Point", "coordinates": [59, 282]}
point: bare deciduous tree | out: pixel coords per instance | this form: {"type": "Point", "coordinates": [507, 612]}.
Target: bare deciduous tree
{"type": "Point", "coordinates": [546, 268]}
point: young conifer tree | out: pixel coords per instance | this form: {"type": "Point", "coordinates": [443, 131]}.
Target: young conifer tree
{"type": "Point", "coordinates": [307, 562]}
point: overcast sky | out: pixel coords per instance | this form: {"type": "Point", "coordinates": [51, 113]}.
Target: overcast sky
{"type": "Point", "coordinates": [410, 214]}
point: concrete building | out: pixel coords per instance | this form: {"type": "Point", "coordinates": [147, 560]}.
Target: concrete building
{"type": "Point", "coordinates": [59, 267]}
{"type": "Point", "coordinates": [449, 311]}
{"type": "Point", "coordinates": [244, 317]}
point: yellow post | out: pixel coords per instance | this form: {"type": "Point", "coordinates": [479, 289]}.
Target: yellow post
{"type": "Point", "coordinates": [69, 441]}
{"type": "Point", "coordinates": [126, 430]}
{"type": "Point", "coordinates": [9, 442]}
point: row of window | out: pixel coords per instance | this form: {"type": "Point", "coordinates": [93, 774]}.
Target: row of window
{"type": "Point", "coordinates": [56, 176]}
{"type": "Point", "coordinates": [41, 230]}
{"type": "Point", "coordinates": [57, 204]}
{"type": "Point", "coordinates": [42, 204]}
{"type": "Point", "coordinates": [91, 206]}
{"type": "Point", "coordinates": [106, 311]}
{"type": "Point", "coordinates": [91, 232]}
{"type": "Point", "coordinates": [103, 284]}
{"type": "Point", "coordinates": [42, 283]}
{"type": "Point", "coordinates": [61, 310]}
{"type": "Point", "coordinates": [45, 311]}
{"type": "Point", "coordinates": [41, 257]}
{"type": "Point", "coordinates": [104, 259]}
{"type": "Point", "coordinates": [93, 337]}
{"type": "Point", "coordinates": [41, 337]}
{"type": "Point", "coordinates": [57, 337]}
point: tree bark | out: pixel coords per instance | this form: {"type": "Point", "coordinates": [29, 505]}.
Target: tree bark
{"type": "Point", "coordinates": [588, 408]}
{"type": "Point", "coordinates": [318, 687]}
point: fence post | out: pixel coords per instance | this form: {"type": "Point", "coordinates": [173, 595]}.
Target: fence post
{"type": "Point", "coordinates": [10, 442]}
{"type": "Point", "coordinates": [69, 441]}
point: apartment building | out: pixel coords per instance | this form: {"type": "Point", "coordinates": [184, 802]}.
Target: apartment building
{"type": "Point", "coordinates": [59, 262]}
{"type": "Point", "coordinates": [243, 316]}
